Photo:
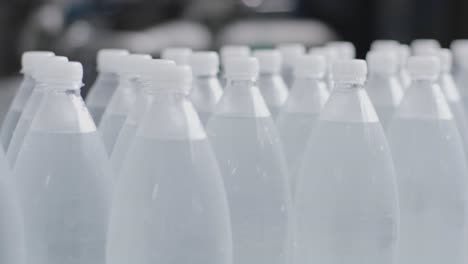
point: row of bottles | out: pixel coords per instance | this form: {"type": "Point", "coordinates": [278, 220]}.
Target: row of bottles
{"type": "Point", "coordinates": [297, 158]}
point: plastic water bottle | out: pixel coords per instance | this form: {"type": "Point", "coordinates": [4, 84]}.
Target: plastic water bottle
{"type": "Point", "coordinates": [30, 110]}
{"type": "Point", "coordinates": [150, 79]}
{"type": "Point", "coordinates": [346, 196]}
{"type": "Point", "coordinates": [62, 174]}
{"type": "Point", "coordinates": [122, 101]}
{"type": "Point", "coordinates": [169, 204]}
{"type": "Point", "coordinates": [385, 44]}
{"type": "Point", "coordinates": [308, 95]}
{"type": "Point", "coordinates": [289, 53]}
{"type": "Point", "coordinates": [12, 247]}
{"type": "Point", "coordinates": [271, 84]}
{"type": "Point", "coordinates": [431, 169]}
{"type": "Point", "coordinates": [424, 46]}
{"type": "Point", "coordinates": [250, 156]}
{"type": "Point", "coordinates": [100, 93]}
{"type": "Point", "coordinates": [206, 89]}
{"type": "Point", "coordinates": [383, 85]}
{"type": "Point", "coordinates": [179, 55]}
{"type": "Point", "coordinates": [29, 62]}
{"type": "Point", "coordinates": [452, 95]}
{"type": "Point", "coordinates": [345, 49]}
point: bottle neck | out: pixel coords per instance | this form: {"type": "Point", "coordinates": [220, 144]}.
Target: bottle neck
{"type": "Point", "coordinates": [171, 116]}
{"type": "Point", "coordinates": [242, 98]}
{"type": "Point", "coordinates": [424, 100]}
{"type": "Point", "coordinates": [349, 103]}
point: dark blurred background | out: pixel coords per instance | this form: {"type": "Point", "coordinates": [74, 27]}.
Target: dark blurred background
{"type": "Point", "coordinates": [78, 28]}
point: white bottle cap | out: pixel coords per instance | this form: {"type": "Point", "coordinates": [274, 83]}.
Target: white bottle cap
{"type": "Point", "coordinates": [446, 59]}
{"type": "Point", "coordinates": [385, 44]}
{"type": "Point", "coordinates": [345, 49]}
{"type": "Point", "coordinates": [269, 61]}
{"type": "Point", "coordinates": [290, 51]}
{"type": "Point", "coordinates": [130, 64]}
{"type": "Point", "coordinates": [423, 67]}
{"type": "Point", "coordinates": [383, 62]}
{"type": "Point", "coordinates": [179, 55]}
{"type": "Point", "coordinates": [312, 66]}
{"type": "Point", "coordinates": [425, 46]}
{"type": "Point", "coordinates": [31, 59]}
{"type": "Point", "coordinates": [242, 68]}
{"type": "Point", "coordinates": [349, 71]}
{"type": "Point", "coordinates": [150, 69]}
{"type": "Point", "coordinates": [204, 63]}
{"type": "Point", "coordinates": [228, 51]}
{"type": "Point", "coordinates": [48, 60]}
{"type": "Point", "coordinates": [459, 46]}
{"type": "Point", "coordinates": [61, 71]}
{"type": "Point", "coordinates": [109, 59]}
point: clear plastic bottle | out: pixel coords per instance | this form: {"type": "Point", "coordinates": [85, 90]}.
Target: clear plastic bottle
{"type": "Point", "coordinates": [424, 46]}
{"type": "Point", "coordinates": [169, 204]}
{"type": "Point", "coordinates": [308, 95]}
{"type": "Point", "coordinates": [206, 89]}
{"type": "Point", "coordinates": [149, 80]}
{"type": "Point", "coordinates": [100, 93]}
{"type": "Point", "coordinates": [63, 175]}
{"type": "Point", "coordinates": [271, 84]}
{"type": "Point", "coordinates": [122, 100]}
{"type": "Point", "coordinates": [30, 110]}
{"type": "Point", "coordinates": [289, 53]}
{"type": "Point", "coordinates": [383, 85]}
{"type": "Point", "coordinates": [431, 171]}
{"type": "Point", "coordinates": [179, 55]}
{"type": "Point", "coordinates": [29, 62]}
{"type": "Point", "coordinates": [452, 95]}
{"type": "Point", "coordinates": [346, 194]}
{"type": "Point", "coordinates": [252, 163]}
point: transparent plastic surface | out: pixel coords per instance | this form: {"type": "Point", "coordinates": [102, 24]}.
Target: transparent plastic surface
{"type": "Point", "coordinates": [24, 123]}
{"type": "Point", "coordinates": [348, 180]}
{"type": "Point", "coordinates": [100, 94]}
{"type": "Point", "coordinates": [205, 94]}
{"type": "Point", "coordinates": [64, 181]}
{"type": "Point", "coordinates": [432, 177]}
{"type": "Point", "coordinates": [248, 149]}
{"type": "Point", "coordinates": [12, 248]}
{"type": "Point", "coordinates": [117, 111]}
{"type": "Point", "coordinates": [129, 129]}
{"type": "Point", "coordinates": [170, 204]}
{"type": "Point", "coordinates": [385, 93]}
{"type": "Point", "coordinates": [297, 119]}
{"type": "Point", "coordinates": [274, 92]}
{"type": "Point", "coordinates": [452, 95]}
{"type": "Point", "coordinates": [16, 109]}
